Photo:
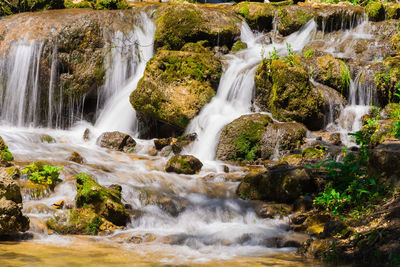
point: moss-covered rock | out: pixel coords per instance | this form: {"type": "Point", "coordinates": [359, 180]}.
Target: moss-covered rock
{"type": "Point", "coordinates": [396, 41]}
{"type": "Point", "coordinates": [6, 157]}
{"type": "Point", "coordinates": [75, 222]}
{"type": "Point", "coordinates": [240, 139]}
{"type": "Point", "coordinates": [375, 11]}
{"type": "Point", "coordinates": [179, 23]}
{"type": "Point", "coordinates": [237, 46]}
{"type": "Point", "coordinates": [184, 164]}
{"type": "Point", "coordinates": [10, 7]}
{"type": "Point", "coordinates": [259, 16]}
{"type": "Point", "coordinates": [284, 89]}
{"type": "Point", "coordinates": [280, 185]}
{"type": "Point", "coordinates": [97, 4]}
{"type": "Point", "coordinates": [337, 17]}
{"type": "Point", "coordinates": [392, 10]}
{"type": "Point", "coordinates": [176, 85]}
{"type": "Point", "coordinates": [284, 137]}
{"type": "Point", "coordinates": [387, 80]}
{"type": "Point", "coordinates": [117, 141]}
{"type": "Point", "coordinates": [106, 202]}
{"type": "Point", "coordinates": [331, 72]}
{"type": "Point", "coordinates": [292, 18]}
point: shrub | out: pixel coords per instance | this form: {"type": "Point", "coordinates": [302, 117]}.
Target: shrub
{"type": "Point", "coordinates": [43, 174]}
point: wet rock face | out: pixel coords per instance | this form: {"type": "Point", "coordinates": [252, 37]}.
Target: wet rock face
{"type": "Point", "coordinates": [116, 141]}
{"type": "Point", "coordinates": [384, 158]}
{"type": "Point", "coordinates": [12, 220]}
{"type": "Point", "coordinates": [259, 16]}
{"type": "Point", "coordinates": [181, 23]}
{"type": "Point", "coordinates": [106, 202]}
{"type": "Point", "coordinates": [283, 88]}
{"type": "Point", "coordinates": [184, 164]}
{"type": "Point", "coordinates": [176, 85]}
{"type": "Point", "coordinates": [332, 18]}
{"type": "Point", "coordinates": [284, 137]}
{"type": "Point", "coordinates": [292, 18]}
{"type": "Point", "coordinates": [281, 185]}
{"type": "Point", "coordinates": [387, 79]}
{"type": "Point", "coordinates": [239, 140]}
{"type": "Point", "coordinates": [6, 157]}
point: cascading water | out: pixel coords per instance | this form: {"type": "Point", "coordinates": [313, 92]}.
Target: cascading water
{"type": "Point", "coordinates": [129, 55]}
{"type": "Point", "coordinates": [236, 88]}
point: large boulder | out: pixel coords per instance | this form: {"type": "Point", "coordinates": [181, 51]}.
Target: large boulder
{"type": "Point", "coordinates": [384, 158]}
{"type": "Point", "coordinates": [259, 16]}
{"type": "Point", "coordinates": [176, 85]}
{"type": "Point", "coordinates": [280, 139]}
{"type": "Point", "coordinates": [180, 23]}
{"type": "Point", "coordinates": [184, 164]}
{"type": "Point", "coordinates": [240, 139]}
{"type": "Point", "coordinates": [291, 18]}
{"type": "Point", "coordinates": [106, 202]}
{"type": "Point", "coordinates": [117, 141]}
{"type": "Point", "coordinates": [387, 79]}
{"type": "Point", "coordinates": [280, 185]}
{"type": "Point", "coordinates": [12, 220]}
{"type": "Point", "coordinates": [375, 11]}
{"type": "Point", "coordinates": [337, 17]}
{"type": "Point", "coordinates": [283, 88]}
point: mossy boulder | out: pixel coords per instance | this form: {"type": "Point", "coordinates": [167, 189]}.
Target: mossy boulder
{"type": "Point", "coordinates": [75, 222]}
{"type": "Point", "coordinates": [106, 202]}
{"type": "Point", "coordinates": [291, 18]}
{"type": "Point", "coordinates": [284, 137]}
{"type": "Point", "coordinates": [283, 88]}
{"type": "Point", "coordinates": [240, 139]}
{"type": "Point", "coordinates": [396, 41]}
{"type": "Point", "coordinates": [281, 185]}
{"type": "Point", "coordinates": [237, 46]}
{"type": "Point", "coordinates": [387, 79]}
{"type": "Point", "coordinates": [184, 164]}
{"type": "Point", "coordinates": [392, 10]}
{"type": "Point", "coordinates": [12, 220]}
{"type": "Point", "coordinates": [176, 85]}
{"type": "Point", "coordinates": [332, 72]}
{"type": "Point", "coordinates": [337, 17]}
{"type": "Point", "coordinates": [117, 141]}
{"type": "Point", "coordinates": [259, 16]}
{"type": "Point", "coordinates": [6, 157]}
{"type": "Point", "coordinates": [179, 23]}
{"type": "Point", "coordinates": [375, 11]}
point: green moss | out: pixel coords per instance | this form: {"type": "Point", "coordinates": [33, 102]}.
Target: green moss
{"type": "Point", "coordinates": [259, 16]}
{"type": "Point", "coordinates": [6, 155]}
{"type": "Point", "coordinates": [375, 11]}
{"type": "Point", "coordinates": [392, 10]}
{"type": "Point", "coordinates": [97, 4]}
{"type": "Point", "coordinates": [396, 41]}
{"type": "Point", "coordinates": [388, 80]}
{"type": "Point", "coordinates": [237, 46]}
{"type": "Point", "coordinates": [247, 143]}
{"type": "Point", "coordinates": [292, 18]}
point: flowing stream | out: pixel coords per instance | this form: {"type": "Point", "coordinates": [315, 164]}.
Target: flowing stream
{"type": "Point", "coordinates": [185, 219]}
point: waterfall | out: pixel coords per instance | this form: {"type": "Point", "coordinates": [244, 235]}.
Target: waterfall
{"type": "Point", "coordinates": [126, 65]}
{"type": "Point", "coordinates": [236, 87]}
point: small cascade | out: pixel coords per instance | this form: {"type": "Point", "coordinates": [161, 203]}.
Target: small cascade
{"type": "Point", "coordinates": [126, 65]}
{"type": "Point", "coordinates": [236, 88]}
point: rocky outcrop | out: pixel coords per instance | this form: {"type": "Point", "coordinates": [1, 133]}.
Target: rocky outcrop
{"type": "Point", "coordinates": [180, 23]}
{"type": "Point", "coordinates": [291, 18]}
{"type": "Point", "coordinates": [6, 157]}
{"type": "Point", "coordinates": [176, 85]}
{"type": "Point", "coordinates": [384, 157]}
{"type": "Point", "coordinates": [240, 139]}
{"type": "Point", "coordinates": [106, 202]}
{"type": "Point", "coordinates": [184, 164]}
{"type": "Point", "coordinates": [387, 80]}
{"type": "Point", "coordinates": [282, 138]}
{"type": "Point", "coordinates": [117, 141]}
{"type": "Point", "coordinates": [375, 11]}
{"type": "Point", "coordinates": [281, 185]}
{"type": "Point", "coordinates": [12, 220]}
{"type": "Point", "coordinates": [259, 16]}
{"type": "Point", "coordinates": [10, 7]}
{"type": "Point", "coordinates": [283, 88]}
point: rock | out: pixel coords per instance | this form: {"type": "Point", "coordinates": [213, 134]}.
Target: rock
{"type": "Point", "coordinates": [291, 18]}
{"type": "Point", "coordinates": [75, 222]}
{"type": "Point", "coordinates": [179, 23]}
{"type": "Point", "coordinates": [162, 142]}
{"type": "Point", "coordinates": [375, 11]}
{"type": "Point", "coordinates": [334, 17]}
{"type": "Point", "coordinates": [34, 190]}
{"type": "Point", "coordinates": [184, 164]}
{"type": "Point", "coordinates": [175, 86]}
{"type": "Point", "coordinates": [105, 202]}
{"type": "Point", "coordinates": [334, 102]}
{"type": "Point", "coordinates": [142, 238]}
{"type": "Point", "coordinates": [281, 185]}
{"type": "Point", "coordinates": [284, 137]}
{"type": "Point", "coordinates": [335, 139]}
{"type": "Point", "coordinates": [45, 138]}
{"type": "Point", "coordinates": [392, 10]}
{"type": "Point", "coordinates": [117, 141]}
{"type": "Point", "coordinates": [332, 72]}
{"type": "Point", "coordinates": [76, 157]}
{"type": "Point", "coordinates": [259, 16]}
{"type": "Point", "coordinates": [6, 157]}
{"type": "Point", "coordinates": [97, 4]}
{"type": "Point", "coordinates": [237, 46]}
{"type": "Point", "coordinates": [86, 135]}
{"type": "Point", "coordinates": [332, 228]}
{"type": "Point", "coordinates": [182, 141]}
{"type": "Point", "coordinates": [390, 111]}
{"type": "Point", "coordinates": [12, 220]}
{"type": "Point", "coordinates": [240, 139]}
{"type": "Point", "coordinates": [170, 204]}
{"type": "Point", "coordinates": [303, 203]}
{"type": "Point", "coordinates": [383, 158]}
{"type": "Point", "coordinates": [10, 7]}
{"type": "Point", "coordinates": [152, 151]}
{"type": "Point", "coordinates": [293, 240]}
{"type": "Point", "coordinates": [284, 89]}
{"type": "Point", "coordinates": [387, 78]}
{"type": "Point", "coordinates": [270, 210]}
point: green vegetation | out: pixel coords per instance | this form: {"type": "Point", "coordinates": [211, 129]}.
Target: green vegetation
{"type": "Point", "coordinates": [97, 4]}
{"type": "Point", "coordinates": [43, 174]}
{"type": "Point", "coordinates": [375, 11]}
{"type": "Point", "coordinates": [308, 54]}
{"type": "Point", "coordinates": [247, 143]}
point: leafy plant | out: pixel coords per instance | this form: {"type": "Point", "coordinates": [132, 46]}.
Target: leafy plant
{"type": "Point", "coordinates": [290, 55]}
{"type": "Point", "coordinates": [308, 53]}
{"type": "Point", "coordinates": [43, 174]}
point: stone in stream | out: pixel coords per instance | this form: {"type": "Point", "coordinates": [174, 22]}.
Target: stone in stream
{"type": "Point", "coordinates": [6, 157]}
{"type": "Point", "coordinates": [76, 157]}
{"type": "Point", "coordinates": [117, 141]}
{"type": "Point", "coordinates": [45, 138]}
{"type": "Point", "coordinates": [106, 202]}
{"type": "Point", "coordinates": [184, 164]}
{"type": "Point", "coordinates": [12, 220]}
